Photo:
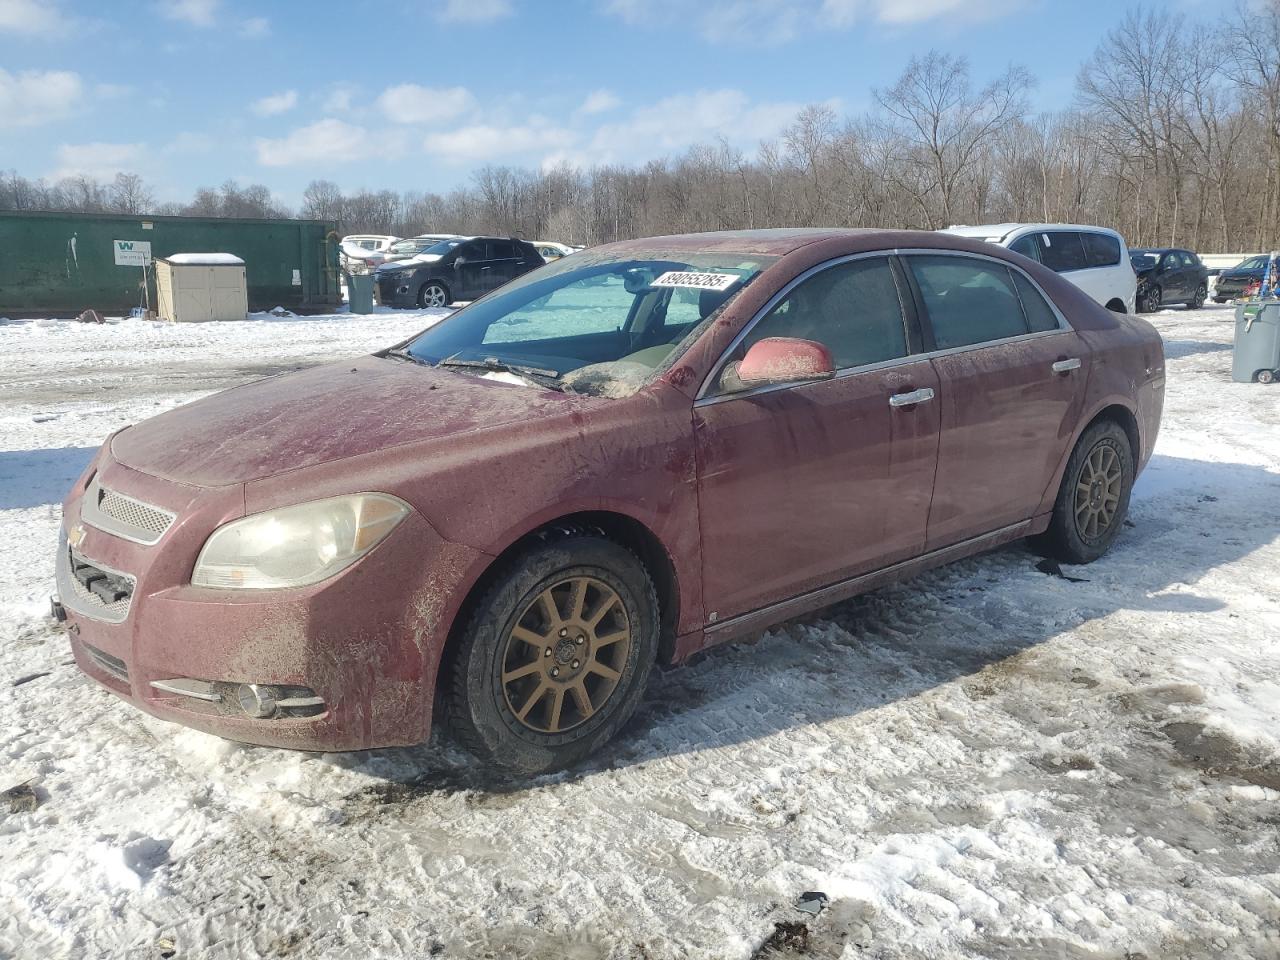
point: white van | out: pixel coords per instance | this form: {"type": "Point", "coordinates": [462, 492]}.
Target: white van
{"type": "Point", "coordinates": [1095, 259]}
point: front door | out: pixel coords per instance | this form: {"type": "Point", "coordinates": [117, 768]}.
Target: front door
{"type": "Point", "coordinates": [1012, 380]}
{"type": "Point", "coordinates": [471, 268]}
{"type": "Point", "coordinates": [808, 484]}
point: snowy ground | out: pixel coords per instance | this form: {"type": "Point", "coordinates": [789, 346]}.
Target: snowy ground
{"type": "Point", "coordinates": [991, 761]}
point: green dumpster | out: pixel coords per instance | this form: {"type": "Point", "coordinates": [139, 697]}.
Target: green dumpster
{"type": "Point", "coordinates": [360, 292]}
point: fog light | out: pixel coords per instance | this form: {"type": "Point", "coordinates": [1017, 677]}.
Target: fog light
{"type": "Point", "coordinates": [256, 700]}
{"type": "Point", "coordinates": [404, 289]}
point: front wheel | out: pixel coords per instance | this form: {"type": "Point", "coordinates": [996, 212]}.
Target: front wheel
{"type": "Point", "coordinates": [1149, 302]}
{"type": "Point", "coordinates": [1094, 497]}
{"type": "Point", "coordinates": [555, 655]}
{"type": "Point", "coordinates": [433, 295]}
{"type": "Point", "coordinates": [1201, 294]}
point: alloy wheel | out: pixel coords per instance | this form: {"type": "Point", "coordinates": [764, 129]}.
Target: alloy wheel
{"type": "Point", "coordinates": [1151, 300]}
{"type": "Point", "coordinates": [434, 296]}
{"type": "Point", "coordinates": [1098, 489]}
{"type": "Point", "coordinates": [565, 655]}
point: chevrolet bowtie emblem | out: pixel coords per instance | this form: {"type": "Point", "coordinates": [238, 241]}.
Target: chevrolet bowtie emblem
{"type": "Point", "coordinates": [75, 536]}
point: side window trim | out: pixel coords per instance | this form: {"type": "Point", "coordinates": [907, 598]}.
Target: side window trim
{"type": "Point", "coordinates": [913, 310]}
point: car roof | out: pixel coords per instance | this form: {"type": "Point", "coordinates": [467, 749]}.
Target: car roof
{"type": "Point", "coordinates": [1002, 230]}
{"type": "Point", "coordinates": [770, 242]}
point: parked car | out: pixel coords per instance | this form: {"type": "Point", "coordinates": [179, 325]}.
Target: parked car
{"type": "Point", "coordinates": [1168, 276]}
{"type": "Point", "coordinates": [1095, 259]}
{"type": "Point", "coordinates": [512, 515]}
{"type": "Point", "coordinates": [364, 252]}
{"type": "Point", "coordinates": [461, 268]}
{"type": "Point", "coordinates": [1234, 284]}
{"type": "Point", "coordinates": [550, 250]}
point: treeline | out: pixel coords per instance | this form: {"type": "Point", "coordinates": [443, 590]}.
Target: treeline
{"type": "Point", "coordinates": [1173, 138]}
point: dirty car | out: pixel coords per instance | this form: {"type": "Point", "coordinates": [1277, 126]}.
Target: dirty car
{"type": "Point", "coordinates": [620, 458]}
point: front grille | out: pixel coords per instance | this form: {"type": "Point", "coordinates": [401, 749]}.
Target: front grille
{"type": "Point", "coordinates": [114, 512]}
{"type": "Point", "coordinates": [93, 590]}
{"type": "Point", "coordinates": [112, 665]}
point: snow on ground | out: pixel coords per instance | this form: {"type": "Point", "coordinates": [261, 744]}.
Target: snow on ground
{"type": "Point", "coordinates": [990, 761]}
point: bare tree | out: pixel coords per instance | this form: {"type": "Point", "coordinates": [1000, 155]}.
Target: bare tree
{"type": "Point", "coordinates": [128, 193]}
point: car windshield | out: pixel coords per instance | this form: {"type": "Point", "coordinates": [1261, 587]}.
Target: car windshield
{"type": "Point", "coordinates": [1253, 263]}
{"type": "Point", "coordinates": [602, 325]}
{"type": "Point", "coordinates": [408, 246]}
{"type": "Point", "coordinates": [1143, 261]}
{"type": "Point", "coordinates": [441, 247]}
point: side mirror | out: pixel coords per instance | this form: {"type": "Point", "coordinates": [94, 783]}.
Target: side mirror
{"type": "Point", "coordinates": [459, 261]}
{"type": "Point", "coordinates": [785, 360]}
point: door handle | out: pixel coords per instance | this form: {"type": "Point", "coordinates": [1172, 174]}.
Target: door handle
{"type": "Point", "coordinates": [1066, 366]}
{"type": "Point", "coordinates": [923, 395]}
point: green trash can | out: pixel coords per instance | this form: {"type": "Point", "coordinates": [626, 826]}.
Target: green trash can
{"type": "Point", "coordinates": [360, 292]}
{"type": "Point", "coordinates": [1256, 357]}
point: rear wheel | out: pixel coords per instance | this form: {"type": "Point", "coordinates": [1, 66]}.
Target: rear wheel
{"type": "Point", "coordinates": [1150, 300]}
{"type": "Point", "coordinates": [1268, 376]}
{"type": "Point", "coordinates": [433, 295]}
{"type": "Point", "coordinates": [1094, 497]}
{"type": "Point", "coordinates": [554, 657]}
{"type": "Point", "coordinates": [1197, 301]}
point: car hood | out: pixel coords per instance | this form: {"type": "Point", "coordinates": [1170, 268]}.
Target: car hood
{"type": "Point", "coordinates": [1240, 275]}
{"type": "Point", "coordinates": [325, 413]}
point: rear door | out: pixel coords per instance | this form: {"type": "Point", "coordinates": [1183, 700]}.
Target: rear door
{"type": "Point", "coordinates": [1012, 377]}
{"type": "Point", "coordinates": [806, 484]}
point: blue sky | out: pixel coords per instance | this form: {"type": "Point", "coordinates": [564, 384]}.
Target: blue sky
{"type": "Point", "coordinates": [414, 95]}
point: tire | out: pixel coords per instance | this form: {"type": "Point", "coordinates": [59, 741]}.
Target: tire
{"type": "Point", "coordinates": [1150, 300]}
{"type": "Point", "coordinates": [1219, 299]}
{"type": "Point", "coordinates": [496, 704]}
{"type": "Point", "coordinates": [1197, 301]}
{"type": "Point", "coordinates": [1073, 540]}
{"type": "Point", "coordinates": [1268, 376]}
{"type": "Point", "coordinates": [434, 294]}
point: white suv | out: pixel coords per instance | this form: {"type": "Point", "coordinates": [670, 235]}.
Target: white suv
{"type": "Point", "coordinates": [1095, 259]}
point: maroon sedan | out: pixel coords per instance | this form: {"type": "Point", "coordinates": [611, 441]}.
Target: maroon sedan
{"type": "Point", "coordinates": [625, 456]}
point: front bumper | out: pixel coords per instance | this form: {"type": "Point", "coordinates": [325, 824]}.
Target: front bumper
{"type": "Point", "coordinates": [366, 642]}
{"type": "Point", "coordinates": [396, 291]}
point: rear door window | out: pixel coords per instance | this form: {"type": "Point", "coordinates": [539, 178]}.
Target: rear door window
{"type": "Point", "coordinates": [1062, 250]}
{"type": "Point", "coordinates": [968, 301]}
{"type": "Point", "coordinates": [1101, 249]}
{"type": "Point", "coordinates": [852, 308]}
{"type": "Point", "coordinates": [1040, 316]}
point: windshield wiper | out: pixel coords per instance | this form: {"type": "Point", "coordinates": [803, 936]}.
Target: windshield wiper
{"type": "Point", "coordinates": [539, 376]}
{"type": "Point", "coordinates": [402, 353]}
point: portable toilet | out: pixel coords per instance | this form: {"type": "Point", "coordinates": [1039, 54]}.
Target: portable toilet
{"type": "Point", "coordinates": [192, 287]}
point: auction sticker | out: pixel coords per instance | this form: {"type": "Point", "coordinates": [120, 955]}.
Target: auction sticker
{"type": "Point", "coordinates": [698, 281]}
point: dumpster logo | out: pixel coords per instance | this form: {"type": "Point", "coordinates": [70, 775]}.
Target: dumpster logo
{"type": "Point", "coordinates": [132, 253]}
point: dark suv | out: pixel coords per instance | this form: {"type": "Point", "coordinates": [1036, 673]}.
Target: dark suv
{"type": "Point", "coordinates": [1169, 276]}
{"type": "Point", "coordinates": [460, 268]}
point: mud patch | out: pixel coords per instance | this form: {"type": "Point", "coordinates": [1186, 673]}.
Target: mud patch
{"type": "Point", "coordinates": [1219, 756]}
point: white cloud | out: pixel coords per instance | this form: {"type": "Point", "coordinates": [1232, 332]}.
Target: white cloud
{"type": "Point", "coordinates": [325, 143]}
{"type": "Point", "coordinates": [483, 142]}
{"type": "Point", "coordinates": [410, 103]}
{"type": "Point", "coordinates": [102, 161]}
{"type": "Point", "coordinates": [35, 97]}
{"type": "Point", "coordinates": [770, 22]}
{"type": "Point", "coordinates": [340, 100]}
{"type": "Point", "coordinates": [600, 101]}
{"type": "Point", "coordinates": [678, 122]}
{"type": "Point", "coordinates": [474, 11]}
{"type": "Point", "coordinates": [255, 27]}
{"type": "Point", "coordinates": [275, 104]}
{"type": "Point", "coordinates": [29, 16]}
{"type": "Point", "coordinates": [198, 13]}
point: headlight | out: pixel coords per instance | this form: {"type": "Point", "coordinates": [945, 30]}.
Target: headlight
{"type": "Point", "coordinates": [295, 546]}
